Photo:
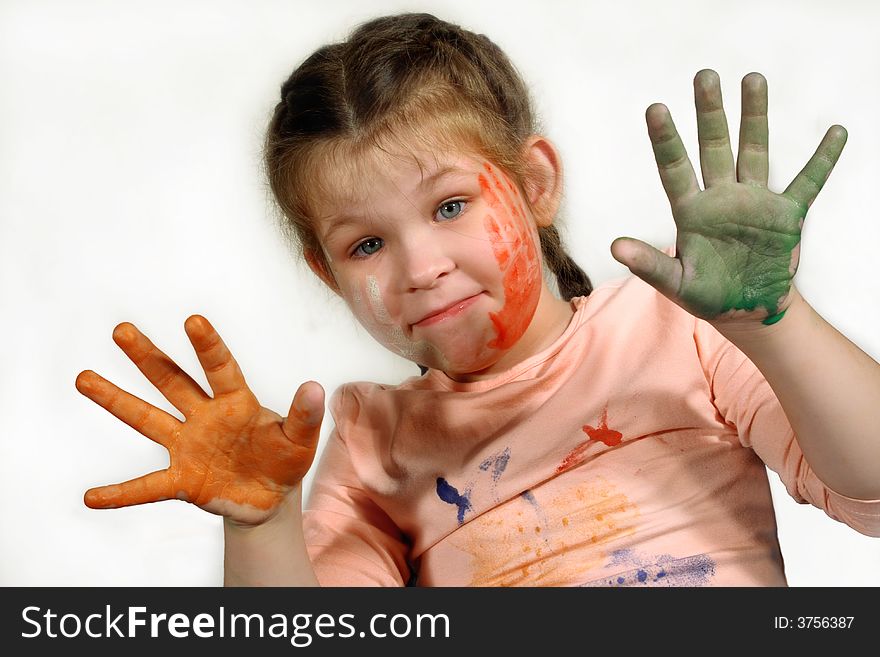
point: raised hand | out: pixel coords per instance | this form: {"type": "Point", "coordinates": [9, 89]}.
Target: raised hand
{"type": "Point", "coordinates": [230, 456]}
{"type": "Point", "coordinates": [738, 243]}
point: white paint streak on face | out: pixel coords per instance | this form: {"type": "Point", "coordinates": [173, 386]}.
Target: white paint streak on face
{"type": "Point", "coordinates": [394, 333]}
{"type": "Point", "coordinates": [375, 295]}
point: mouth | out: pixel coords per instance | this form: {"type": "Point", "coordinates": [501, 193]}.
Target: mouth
{"type": "Point", "coordinates": [447, 312]}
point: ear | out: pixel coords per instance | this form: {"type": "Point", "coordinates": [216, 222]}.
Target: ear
{"type": "Point", "coordinates": [318, 265]}
{"type": "Point", "coordinates": [543, 184]}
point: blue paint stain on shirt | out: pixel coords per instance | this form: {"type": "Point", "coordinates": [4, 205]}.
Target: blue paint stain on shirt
{"type": "Point", "coordinates": [619, 557]}
{"type": "Point", "coordinates": [661, 570]}
{"type": "Point", "coordinates": [449, 494]}
{"type": "Point", "coordinates": [498, 463]}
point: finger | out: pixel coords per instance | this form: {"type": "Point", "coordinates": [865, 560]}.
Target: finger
{"type": "Point", "coordinates": [654, 267]}
{"type": "Point", "coordinates": [303, 423]}
{"type": "Point", "coordinates": [222, 370]}
{"type": "Point", "coordinates": [152, 422]}
{"type": "Point", "coordinates": [716, 158]}
{"type": "Point", "coordinates": [175, 385]}
{"type": "Point", "coordinates": [153, 487]}
{"type": "Point", "coordinates": [752, 162]}
{"type": "Point", "coordinates": [806, 186]}
{"type": "Point", "coordinates": [676, 171]}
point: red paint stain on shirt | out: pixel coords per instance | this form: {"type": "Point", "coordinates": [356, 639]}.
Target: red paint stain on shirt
{"type": "Point", "coordinates": [574, 456]}
{"type": "Point", "coordinates": [602, 433]}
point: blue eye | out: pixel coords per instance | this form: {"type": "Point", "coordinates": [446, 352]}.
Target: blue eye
{"type": "Point", "coordinates": [450, 209]}
{"type": "Point", "coordinates": [368, 247]}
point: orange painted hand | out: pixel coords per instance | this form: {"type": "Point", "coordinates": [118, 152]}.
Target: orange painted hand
{"type": "Point", "coordinates": [230, 456]}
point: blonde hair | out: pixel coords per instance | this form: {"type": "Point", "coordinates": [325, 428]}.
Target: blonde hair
{"type": "Point", "coordinates": [401, 78]}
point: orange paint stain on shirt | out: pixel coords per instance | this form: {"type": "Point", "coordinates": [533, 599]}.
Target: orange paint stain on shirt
{"type": "Point", "coordinates": [581, 526]}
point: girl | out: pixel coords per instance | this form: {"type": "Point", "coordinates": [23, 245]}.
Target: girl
{"type": "Point", "coordinates": [607, 437]}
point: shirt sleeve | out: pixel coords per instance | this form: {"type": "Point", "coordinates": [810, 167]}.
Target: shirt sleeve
{"type": "Point", "coordinates": [351, 541]}
{"type": "Point", "coordinates": [746, 402]}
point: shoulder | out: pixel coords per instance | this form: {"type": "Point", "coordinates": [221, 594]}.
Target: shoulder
{"type": "Point", "coordinates": [365, 402]}
{"type": "Point", "coordinates": [629, 301]}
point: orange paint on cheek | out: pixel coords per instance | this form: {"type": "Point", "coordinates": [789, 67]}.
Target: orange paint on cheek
{"type": "Point", "coordinates": [512, 198]}
{"type": "Point", "coordinates": [515, 252]}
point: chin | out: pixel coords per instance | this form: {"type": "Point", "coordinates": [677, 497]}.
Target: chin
{"type": "Point", "coordinates": [464, 365]}
{"type": "Point", "coordinates": [456, 350]}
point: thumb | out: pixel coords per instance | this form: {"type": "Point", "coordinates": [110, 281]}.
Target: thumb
{"type": "Point", "coordinates": [303, 422]}
{"type": "Point", "coordinates": [654, 267]}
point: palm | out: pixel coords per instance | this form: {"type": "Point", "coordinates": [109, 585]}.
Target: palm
{"type": "Point", "coordinates": [738, 243]}
{"type": "Point", "coordinates": [230, 456]}
{"type": "Point", "coordinates": [242, 459]}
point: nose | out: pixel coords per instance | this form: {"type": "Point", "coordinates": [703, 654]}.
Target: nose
{"type": "Point", "coordinates": [424, 261]}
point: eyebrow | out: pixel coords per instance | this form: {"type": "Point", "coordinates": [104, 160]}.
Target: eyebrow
{"type": "Point", "coordinates": [338, 223]}
{"type": "Point", "coordinates": [431, 179]}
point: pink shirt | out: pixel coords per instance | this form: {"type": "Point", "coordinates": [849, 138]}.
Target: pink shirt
{"type": "Point", "coordinates": [630, 452]}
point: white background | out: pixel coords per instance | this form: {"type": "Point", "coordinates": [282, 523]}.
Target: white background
{"type": "Point", "coordinates": [130, 190]}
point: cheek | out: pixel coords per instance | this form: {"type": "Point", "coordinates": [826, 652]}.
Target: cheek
{"type": "Point", "coordinates": [516, 253]}
{"type": "Point", "coordinates": [366, 300]}
{"type": "Point", "coordinates": [377, 312]}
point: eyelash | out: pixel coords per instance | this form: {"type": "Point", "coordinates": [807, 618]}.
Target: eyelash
{"type": "Point", "coordinates": [356, 252]}
{"type": "Point", "coordinates": [459, 201]}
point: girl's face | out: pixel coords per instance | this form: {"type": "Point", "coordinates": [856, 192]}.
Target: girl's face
{"type": "Point", "coordinates": [441, 263]}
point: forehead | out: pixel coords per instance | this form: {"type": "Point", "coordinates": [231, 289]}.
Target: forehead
{"type": "Point", "coordinates": [345, 172]}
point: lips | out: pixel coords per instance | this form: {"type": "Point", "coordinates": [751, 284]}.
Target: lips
{"type": "Point", "coordinates": [446, 312]}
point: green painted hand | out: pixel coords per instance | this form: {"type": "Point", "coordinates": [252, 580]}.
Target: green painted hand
{"type": "Point", "coordinates": [737, 243]}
